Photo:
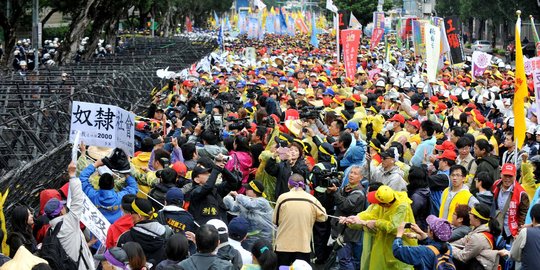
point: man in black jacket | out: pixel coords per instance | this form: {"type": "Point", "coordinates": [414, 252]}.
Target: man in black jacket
{"type": "Point", "coordinates": [206, 198]}
{"type": "Point", "coordinates": [148, 232]}
{"type": "Point", "coordinates": [167, 181]}
{"type": "Point", "coordinates": [350, 200]}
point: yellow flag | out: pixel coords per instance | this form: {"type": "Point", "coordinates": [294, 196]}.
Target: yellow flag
{"type": "Point", "coordinates": [521, 90]}
{"type": "Point", "coordinates": [5, 247]}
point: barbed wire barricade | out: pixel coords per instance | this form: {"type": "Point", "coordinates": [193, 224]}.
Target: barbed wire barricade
{"type": "Point", "coordinates": [35, 109]}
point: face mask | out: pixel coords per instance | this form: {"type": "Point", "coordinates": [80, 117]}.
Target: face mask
{"type": "Point", "coordinates": [389, 126]}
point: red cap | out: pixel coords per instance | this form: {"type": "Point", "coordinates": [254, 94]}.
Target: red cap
{"type": "Point", "coordinates": [326, 101]}
{"type": "Point", "coordinates": [508, 169]}
{"type": "Point", "coordinates": [398, 118]}
{"type": "Point", "coordinates": [140, 125]}
{"type": "Point", "coordinates": [448, 154]}
{"type": "Point", "coordinates": [356, 98]}
{"type": "Point", "coordinates": [253, 128]}
{"type": "Point", "coordinates": [446, 145]}
{"type": "Point", "coordinates": [187, 83]}
{"type": "Point", "coordinates": [434, 99]}
{"type": "Point", "coordinates": [415, 123]}
{"type": "Point", "coordinates": [233, 114]}
{"type": "Point", "coordinates": [180, 168]}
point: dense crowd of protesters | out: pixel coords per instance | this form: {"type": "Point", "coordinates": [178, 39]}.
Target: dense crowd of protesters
{"type": "Point", "coordinates": [287, 161]}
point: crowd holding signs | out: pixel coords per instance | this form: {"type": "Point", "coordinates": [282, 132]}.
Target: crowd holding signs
{"type": "Point", "coordinates": [272, 153]}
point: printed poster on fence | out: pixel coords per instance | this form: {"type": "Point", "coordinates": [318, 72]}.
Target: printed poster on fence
{"type": "Point", "coordinates": [103, 125]}
{"type": "Point", "coordinates": [480, 62]}
{"type": "Point", "coordinates": [92, 218]}
{"type": "Point", "coordinates": [351, 40]}
{"type": "Point", "coordinates": [535, 66]}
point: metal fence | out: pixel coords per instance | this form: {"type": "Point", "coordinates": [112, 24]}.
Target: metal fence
{"type": "Point", "coordinates": [35, 109]}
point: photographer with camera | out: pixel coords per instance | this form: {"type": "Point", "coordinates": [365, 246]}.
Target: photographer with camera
{"type": "Point", "coordinates": [287, 160]}
{"type": "Point", "coordinates": [349, 200]}
{"type": "Point", "coordinates": [320, 180]}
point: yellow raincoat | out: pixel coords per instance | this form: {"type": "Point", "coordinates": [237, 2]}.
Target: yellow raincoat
{"type": "Point", "coordinates": [377, 244]}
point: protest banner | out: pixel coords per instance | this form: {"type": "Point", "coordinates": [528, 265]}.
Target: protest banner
{"type": "Point", "coordinates": [253, 27]}
{"type": "Point", "coordinates": [535, 66]}
{"type": "Point", "coordinates": [419, 38]}
{"type": "Point", "coordinates": [433, 48]}
{"type": "Point", "coordinates": [103, 125]}
{"type": "Point", "coordinates": [351, 40]}
{"type": "Point", "coordinates": [92, 218]}
{"type": "Point", "coordinates": [452, 26]}
{"type": "Point", "coordinates": [378, 20]}
{"type": "Point", "coordinates": [251, 55]}
{"type": "Point", "coordinates": [376, 37]}
{"type": "Point", "coordinates": [480, 62]}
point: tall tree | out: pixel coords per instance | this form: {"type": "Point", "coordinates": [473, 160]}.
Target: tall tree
{"type": "Point", "coordinates": [362, 9]}
{"type": "Point", "coordinates": [12, 16]}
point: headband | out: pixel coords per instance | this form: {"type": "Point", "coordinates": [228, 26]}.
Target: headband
{"type": "Point", "coordinates": [112, 260]}
{"type": "Point", "coordinates": [256, 189]}
{"type": "Point", "coordinates": [475, 213]}
{"type": "Point", "coordinates": [295, 184]}
{"type": "Point", "coordinates": [324, 151]}
{"type": "Point", "coordinates": [372, 145]}
{"type": "Point", "coordinates": [142, 213]}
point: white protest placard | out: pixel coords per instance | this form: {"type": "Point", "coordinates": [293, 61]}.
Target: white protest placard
{"type": "Point", "coordinates": [103, 125]}
{"type": "Point", "coordinates": [92, 218]}
{"type": "Point", "coordinates": [251, 55]}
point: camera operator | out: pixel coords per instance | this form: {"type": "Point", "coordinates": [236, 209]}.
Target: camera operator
{"type": "Point", "coordinates": [349, 200]}
{"type": "Point", "coordinates": [326, 163]}
{"type": "Point", "coordinates": [210, 140]}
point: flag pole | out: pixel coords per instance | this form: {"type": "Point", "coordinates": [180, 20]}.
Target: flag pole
{"type": "Point", "coordinates": [337, 36]}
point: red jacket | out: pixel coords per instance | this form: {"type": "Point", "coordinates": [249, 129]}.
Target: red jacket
{"type": "Point", "coordinates": [116, 229]}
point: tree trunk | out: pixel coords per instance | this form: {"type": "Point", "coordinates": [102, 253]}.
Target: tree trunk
{"type": "Point", "coordinates": [10, 39]}
{"type": "Point", "coordinates": [76, 33]}
{"type": "Point", "coordinates": [167, 20]}
{"type": "Point", "coordinates": [481, 28]}
{"type": "Point", "coordinates": [471, 29]}
{"type": "Point", "coordinates": [48, 16]}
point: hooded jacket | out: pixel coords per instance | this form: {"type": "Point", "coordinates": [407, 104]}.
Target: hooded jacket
{"type": "Point", "coordinates": [107, 201]}
{"type": "Point", "coordinates": [116, 229]}
{"type": "Point", "coordinates": [255, 210]}
{"type": "Point", "coordinates": [158, 193]}
{"type": "Point", "coordinates": [151, 236]}
{"type": "Point", "coordinates": [489, 164]}
{"type": "Point", "coordinates": [476, 245]}
{"type": "Point", "coordinates": [377, 250]}
{"type": "Point", "coordinates": [243, 161]}
{"type": "Point", "coordinates": [70, 235]}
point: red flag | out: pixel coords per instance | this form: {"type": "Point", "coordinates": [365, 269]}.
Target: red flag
{"type": "Point", "coordinates": [189, 25]}
{"type": "Point", "coordinates": [376, 37]}
{"type": "Point", "coordinates": [350, 39]}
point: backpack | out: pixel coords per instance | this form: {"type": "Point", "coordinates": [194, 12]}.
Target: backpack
{"type": "Point", "coordinates": [53, 252]}
{"type": "Point", "coordinates": [442, 261]}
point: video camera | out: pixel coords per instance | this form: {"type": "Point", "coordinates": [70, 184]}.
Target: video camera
{"type": "Point", "coordinates": [239, 124]}
{"type": "Point", "coordinates": [310, 112]}
{"type": "Point", "coordinates": [329, 178]}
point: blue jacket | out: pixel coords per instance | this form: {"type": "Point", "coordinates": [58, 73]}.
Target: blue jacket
{"type": "Point", "coordinates": [425, 147]}
{"type": "Point", "coordinates": [107, 201]}
{"type": "Point", "coordinates": [420, 256]}
{"type": "Point", "coordinates": [535, 200]}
